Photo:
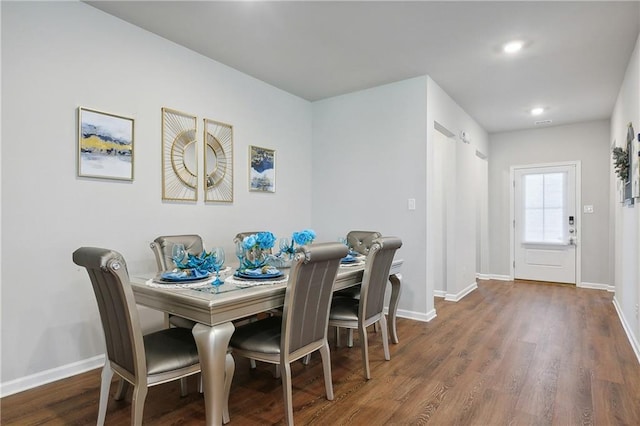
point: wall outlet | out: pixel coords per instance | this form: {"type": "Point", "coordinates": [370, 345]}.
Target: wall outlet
{"type": "Point", "coordinates": [588, 209]}
{"type": "Point", "coordinates": [411, 203]}
{"type": "Point", "coordinates": [637, 307]}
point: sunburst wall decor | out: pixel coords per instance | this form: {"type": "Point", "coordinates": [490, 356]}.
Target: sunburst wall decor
{"type": "Point", "coordinates": [218, 161]}
{"type": "Point", "coordinates": [179, 156]}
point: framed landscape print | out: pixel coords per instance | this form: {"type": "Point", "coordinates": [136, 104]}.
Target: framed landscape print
{"type": "Point", "coordinates": [105, 145]}
{"type": "Point", "coordinates": [262, 169]}
{"type": "Point", "coordinates": [218, 161]}
{"type": "Point", "coordinates": [179, 156]}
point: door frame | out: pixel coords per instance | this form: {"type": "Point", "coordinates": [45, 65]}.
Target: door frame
{"type": "Point", "coordinates": [512, 183]}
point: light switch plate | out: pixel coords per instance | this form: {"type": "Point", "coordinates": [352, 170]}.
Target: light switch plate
{"type": "Point", "coordinates": [411, 204]}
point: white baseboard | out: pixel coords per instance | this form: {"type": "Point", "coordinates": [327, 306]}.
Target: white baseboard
{"type": "Point", "coordinates": [496, 277]}
{"type": "Point", "coordinates": [598, 286]}
{"type": "Point", "coordinates": [52, 375]}
{"type": "Point", "coordinates": [417, 316]}
{"type": "Point", "coordinates": [501, 277]}
{"type": "Point", "coordinates": [627, 329]}
{"type": "Point", "coordinates": [439, 293]}
{"type": "Point", "coordinates": [458, 296]}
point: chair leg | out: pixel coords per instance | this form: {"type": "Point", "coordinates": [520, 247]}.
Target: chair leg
{"type": "Point", "coordinates": [276, 371]}
{"type": "Point", "coordinates": [105, 384]}
{"type": "Point", "coordinates": [326, 368]}
{"type": "Point", "coordinates": [365, 350]}
{"type": "Point", "coordinates": [286, 389]}
{"type": "Point", "coordinates": [385, 337]}
{"type": "Point", "coordinates": [306, 359]}
{"type": "Point", "coordinates": [183, 387]}
{"type": "Point", "coordinates": [123, 385]}
{"type": "Point", "coordinates": [337, 337]}
{"type": "Point", "coordinates": [252, 363]}
{"type": "Point", "coordinates": [350, 337]}
{"type": "Point", "coordinates": [137, 404]}
{"type": "Point", "coordinates": [229, 369]}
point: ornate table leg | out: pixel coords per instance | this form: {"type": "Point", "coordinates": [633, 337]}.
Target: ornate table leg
{"type": "Point", "coordinates": [396, 281]}
{"type": "Point", "coordinates": [212, 345]}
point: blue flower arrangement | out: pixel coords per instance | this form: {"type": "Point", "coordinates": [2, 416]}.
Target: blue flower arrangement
{"type": "Point", "coordinates": [304, 237]}
{"type": "Point", "coordinates": [259, 241]}
{"type": "Point", "coordinates": [301, 238]}
{"type": "Point", "coordinates": [255, 246]}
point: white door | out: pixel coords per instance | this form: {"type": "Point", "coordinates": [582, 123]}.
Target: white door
{"type": "Point", "coordinates": [545, 223]}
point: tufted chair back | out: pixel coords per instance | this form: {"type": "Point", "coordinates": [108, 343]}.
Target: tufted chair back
{"type": "Point", "coordinates": [361, 241]}
{"type": "Point", "coordinates": [163, 245]}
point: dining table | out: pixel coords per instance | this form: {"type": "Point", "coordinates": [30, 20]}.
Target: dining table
{"type": "Point", "coordinates": [215, 308]}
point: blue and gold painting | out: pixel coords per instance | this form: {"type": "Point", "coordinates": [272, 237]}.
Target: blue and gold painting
{"type": "Point", "coordinates": [105, 145]}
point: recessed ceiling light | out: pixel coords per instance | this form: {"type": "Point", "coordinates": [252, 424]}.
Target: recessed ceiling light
{"type": "Point", "coordinates": [512, 46]}
{"type": "Point", "coordinates": [537, 111]}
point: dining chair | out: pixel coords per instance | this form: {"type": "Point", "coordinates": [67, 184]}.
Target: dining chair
{"type": "Point", "coordinates": [142, 361]}
{"type": "Point", "coordinates": [360, 242]}
{"type": "Point", "coordinates": [360, 313]}
{"type": "Point", "coordinates": [302, 328]}
{"type": "Point", "coordinates": [162, 247]}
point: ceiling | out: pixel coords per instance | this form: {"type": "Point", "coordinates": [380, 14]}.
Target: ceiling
{"type": "Point", "coordinates": [573, 62]}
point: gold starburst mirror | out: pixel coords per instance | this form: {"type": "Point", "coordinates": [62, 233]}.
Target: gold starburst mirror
{"type": "Point", "coordinates": [218, 161]}
{"type": "Point", "coordinates": [179, 156]}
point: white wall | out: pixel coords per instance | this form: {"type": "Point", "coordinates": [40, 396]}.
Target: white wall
{"type": "Point", "coordinates": [368, 160]}
{"type": "Point", "coordinates": [444, 150]}
{"type": "Point", "coordinates": [586, 142]}
{"type": "Point", "coordinates": [626, 242]}
{"type": "Point", "coordinates": [57, 56]}
{"type": "Point", "coordinates": [397, 122]}
{"type": "Point", "coordinates": [444, 116]}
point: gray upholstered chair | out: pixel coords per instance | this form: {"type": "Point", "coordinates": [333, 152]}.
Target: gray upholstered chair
{"type": "Point", "coordinates": [360, 242]}
{"type": "Point", "coordinates": [162, 247]}
{"type": "Point", "coordinates": [142, 361]}
{"type": "Point", "coordinates": [360, 313]}
{"type": "Point", "coordinates": [302, 328]}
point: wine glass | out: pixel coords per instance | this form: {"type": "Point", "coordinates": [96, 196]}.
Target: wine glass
{"type": "Point", "coordinates": [284, 245]}
{"type": "Point", "coordinates": [218, 261]}
{"type": "Point", "coordinates": [240, 253]}
{"type": "Point", "coordinates": [178, 253]}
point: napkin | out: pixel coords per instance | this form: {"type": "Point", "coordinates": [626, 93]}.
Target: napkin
{"type": "Point", "coordinates": [185, 273]}
{"type": "Point", "coordinates": [260, 271]}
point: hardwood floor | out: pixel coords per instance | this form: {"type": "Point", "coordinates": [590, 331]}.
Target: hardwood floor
{"type": "Point", "coordinates": [507, 354]}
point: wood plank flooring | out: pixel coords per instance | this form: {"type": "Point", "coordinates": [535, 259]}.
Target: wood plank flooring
{"type": "Point", "coordinates": [507, 354]}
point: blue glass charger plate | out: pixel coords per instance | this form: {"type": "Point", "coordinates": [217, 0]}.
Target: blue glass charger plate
{"type": "Point", "coordinates": [349, 259]}
{"type": "Point", "coordinates": [270, 276]}
{"type": "Point", "coordinates": [180, 277]}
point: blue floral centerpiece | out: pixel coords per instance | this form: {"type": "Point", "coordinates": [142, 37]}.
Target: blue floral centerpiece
{"type": "Point", "coordinates": [288, 248]}
{"type": "Point", "coordinates": [255, 248]}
